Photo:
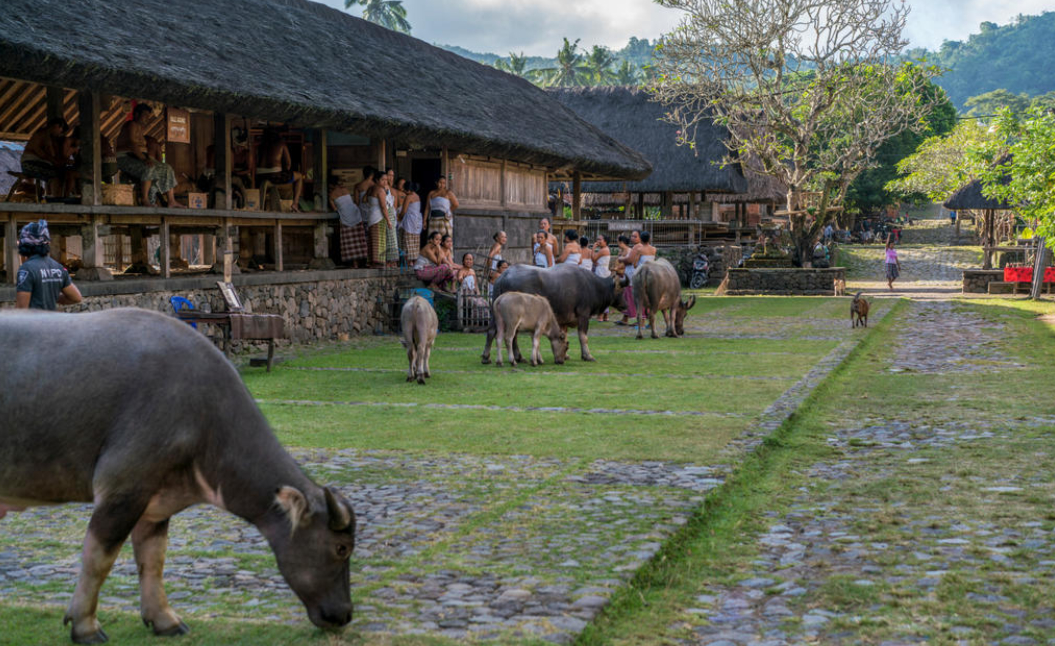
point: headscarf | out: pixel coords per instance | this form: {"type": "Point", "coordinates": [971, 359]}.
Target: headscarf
{"type": "Point", "coordinates": [35, 234]}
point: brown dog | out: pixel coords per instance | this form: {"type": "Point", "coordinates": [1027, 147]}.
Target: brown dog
{"type": "Point", "coordinates": [858, 308]}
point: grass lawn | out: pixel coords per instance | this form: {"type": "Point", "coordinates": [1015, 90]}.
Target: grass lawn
{"type": "Point", "coordinates": [465, 477]}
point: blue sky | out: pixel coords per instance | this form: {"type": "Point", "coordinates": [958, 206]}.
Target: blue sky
{"type": "Point", "coordinates": [537, 26]}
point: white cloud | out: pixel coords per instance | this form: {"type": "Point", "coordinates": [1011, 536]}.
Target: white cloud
{"type": "Point", "coordinates": [536, 27]}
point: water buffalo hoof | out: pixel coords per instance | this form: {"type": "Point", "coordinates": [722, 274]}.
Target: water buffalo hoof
{"type": "Point", "coordinates": [175, 631]}
{"type": "Point", "coordinates": [98, 637]}
{"type": "Point", "coordinates": [428, 375]}
{"type": "Point", "coordinates": [656, 336]}
{"type": "Point", "coordinates": [639, 337]}
{"type": "Point", "coordinates": [410, 379]}
{"type": "Point", "coordinates": [588, 358]}
{"type": "Point", "coordinates": [486, 360]}
{"type": "Point", "coordinates": [421, 380]}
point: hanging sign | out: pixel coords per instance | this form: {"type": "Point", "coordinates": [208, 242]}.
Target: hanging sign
{"type": "Point", "coordinates": [178, 126]}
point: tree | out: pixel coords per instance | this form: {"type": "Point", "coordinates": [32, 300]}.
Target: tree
{"type": "Point", "coordinates": [600, 63]}
{"type": "Point", "coordinates": [569, 70]}
{"type": "Point", "coordinates": [627, 74]}
{"type": "Point", "coordinates": [943, 165]}
{"type": "Point", "coordinates": [516, 65]}
{"type": "Point", "coordinates": [387, 13]}
{"type": "Point", "coordinates": [869, 193]}
{"type": "Point", "coordinates": [810, 89]}
{"type": "Point", "coordinates": [988, 104]}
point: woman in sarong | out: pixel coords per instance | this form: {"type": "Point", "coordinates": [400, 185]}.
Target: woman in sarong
{"type": "Point", "coordinates": [442, 204]}
{"type": "Point", "coordinates": [429, 266]}
{"type": "Point", "coordinates": [377, 219]}
{"type": "Point", "coordinates": [352, 235]}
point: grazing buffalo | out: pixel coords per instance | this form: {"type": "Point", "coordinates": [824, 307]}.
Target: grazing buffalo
{"type": "Point", "coordinates": [139, 414]}
{"type": "Point", "coordinates": [657, 288]}
{"type": "Point", "coordinates": [574, 294]}
{"type": "Point", "coordinates": [516, 312]}
{"type": "Point", "coordinates": [419, 324]}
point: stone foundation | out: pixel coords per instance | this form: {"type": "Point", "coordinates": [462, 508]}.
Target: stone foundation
{"type": "Point", "coordinates": [782, 282]}
{"type": "Point", "coordinates": [317, 305]}
{"type": "Point", "coordinates": [976, 281]}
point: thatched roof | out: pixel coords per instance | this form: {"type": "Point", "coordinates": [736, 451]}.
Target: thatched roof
{"type": "Point", "coordinates": [300, 62]}
{"type": "Point", "coordinates": [970, 197]}
{"type": "Point", "coordinates": [628, 115]}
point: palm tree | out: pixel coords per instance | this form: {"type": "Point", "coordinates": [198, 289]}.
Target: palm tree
{"type": "Point", "coordinates": [387, 13]}
{"type": "Point", "coordinates": [600, 62]}
{"type": "Point", "coordinates": [571, 69]}
{"type": "Point", "coordinates": [627, 74]}
{"type": "Point", "coordinates": [516, 64]}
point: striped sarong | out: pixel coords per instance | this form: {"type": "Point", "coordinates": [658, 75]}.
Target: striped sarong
{"type": "Point", "coordinates": [353, 243]}
{"type": "Point", "coordinates": [438, 221]}
{"type": "Point", "coordinates": [377, 242]}
{"type": "Point", "coordinates": [412, 245]}
{"type": "Point", "coordinates": [434, 275]}
{"type": "Point", "coordinates": [160, 174]}
{"type": "Point", "coordinates": [391, 243]}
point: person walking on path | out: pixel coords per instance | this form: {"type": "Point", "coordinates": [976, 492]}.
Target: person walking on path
{"type": "Point", "coordinates": [43, 283]}
{"type": "Point", "coordinates": [892, 264]}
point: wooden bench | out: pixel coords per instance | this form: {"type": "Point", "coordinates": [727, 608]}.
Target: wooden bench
{"type": "Point", "coordinates": [239, 326]}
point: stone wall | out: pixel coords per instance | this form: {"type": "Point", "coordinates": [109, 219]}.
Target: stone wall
{"type": "Point", "coordinates": [976, 281]}
{"type": "Point", "coordinates": [783, 282]}
{"type": "Point", "coordinates": [317, 305]}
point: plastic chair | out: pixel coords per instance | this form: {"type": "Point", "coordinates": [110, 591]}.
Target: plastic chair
{"type": "Point", "coordinates": [180, 303]}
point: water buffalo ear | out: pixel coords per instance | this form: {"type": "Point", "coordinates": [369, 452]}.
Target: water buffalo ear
{"type": "Point", "coordinates": [293, 503]}
{"type": "Point", "coordinates": [341, 518]}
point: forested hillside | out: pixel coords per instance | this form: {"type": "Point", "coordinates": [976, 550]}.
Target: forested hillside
{"type": "Point", "coordinates": [1018, 57]}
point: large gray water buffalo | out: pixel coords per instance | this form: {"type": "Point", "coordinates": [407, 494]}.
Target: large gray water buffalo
{"type": "Point", "coordinates": [516, 312]}
{"type": "Point", "coordinates": [657, 288]}
{"type": "Point", "coordinates": [574, 294]}
{"type": "Point", "coordinates": [139, 414]}
{"type": "Point", "coordinates": [419, 324]}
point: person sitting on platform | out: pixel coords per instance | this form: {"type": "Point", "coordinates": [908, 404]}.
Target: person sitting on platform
{"type": "Point", "coordinates": [276, 165]}
{"type": "Point", "coordinates": [42, 157]}
{"type": "Point", "coordinates": [430, 267]}
{"type": "Point", "coordinates": [42, 283]}
{"type": "Point", "coordinates": [154, 177]}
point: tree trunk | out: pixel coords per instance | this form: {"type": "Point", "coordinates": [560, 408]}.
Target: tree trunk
{"type": "Point", "coordinates": [1038, 268]}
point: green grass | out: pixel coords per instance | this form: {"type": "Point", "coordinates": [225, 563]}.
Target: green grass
{"type": "Point", "coordinates": [718, 544]}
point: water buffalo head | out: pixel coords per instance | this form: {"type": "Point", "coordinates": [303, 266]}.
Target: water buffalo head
{"type": "Point", "coordinates": [618, 295]}
{"type": "Point", "coordinates": [680, 310]}
{"type": "Point", "coordinates": [313, 540]}
{"type": "Point", "coordinates": [559, 344]}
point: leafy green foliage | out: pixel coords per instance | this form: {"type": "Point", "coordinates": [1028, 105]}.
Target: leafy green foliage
{"type": "Point", "coordinates": [941, 165]}
{"type": "Point", "coordinates": [1017, 58]}
{"type": "Point", "coordinates": [387, 13]}
{"type": "Point", "coordinates": [1026, 175]}
{"type": "Point", "coordinates": [869, 192]}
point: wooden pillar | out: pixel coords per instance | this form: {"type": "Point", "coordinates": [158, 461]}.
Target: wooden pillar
{"type": "Point", "coordinates": [381, 155]}
{"type": "Point", "coordinates": [208, 249]}
{"type": "Point", "coordinates": [640, 206]}
{"type": "Point", "coordinates": [576, 196]}
{"type": "Point", "coordinates": [503, 187]}
{"type": "Point", "coordinates": [692, 205]}
{"type": "Point", "coordinates": [166, 248]}
{"type": "Point", "coordinates": [628, 205]}
{"type": "Point", "coordinates": [119, 250]}
{"type": "Point", "coordinates": [11, 259]}
{"type": "Point", "coordinates": [91, 144]}
{"type": "Point", "coordinates": [666, 211]}
{"type": "Point", "coordinates": [225, 264]}
{"type": "Point", "coordinates": [224, 157]}
{"type": "Point", "coordinates": [279, 265]}
{"type": "Point", "coordinates": [320, 164]}
{"type": "Point", "coordinates": [92, 253]}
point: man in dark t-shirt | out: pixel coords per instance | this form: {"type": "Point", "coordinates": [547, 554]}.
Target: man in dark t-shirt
{"type": "Point", "coordinates": [43, 283]}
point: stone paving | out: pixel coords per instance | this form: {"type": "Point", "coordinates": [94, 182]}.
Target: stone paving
{"type": "Point", "coordinates": [849, 550]}
{"type": "Point", "coordinates": [458, 546]}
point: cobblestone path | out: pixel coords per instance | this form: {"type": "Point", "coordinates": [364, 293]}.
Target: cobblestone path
{"type": "Point", "coordinates": [909, 513]}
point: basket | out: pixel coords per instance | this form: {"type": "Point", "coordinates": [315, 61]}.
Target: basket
{"type": "Point", "coordinates": [119, 194]}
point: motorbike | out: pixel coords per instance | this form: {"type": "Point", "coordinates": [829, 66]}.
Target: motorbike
{"type": "Point", "coordinates": [700, 266]}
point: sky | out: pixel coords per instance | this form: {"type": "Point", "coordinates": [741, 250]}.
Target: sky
{"type": "Point", "coordinates": [537, 27]}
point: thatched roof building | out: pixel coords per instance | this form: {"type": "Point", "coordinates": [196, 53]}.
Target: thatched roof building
{"type": "Point", "coordinates": [970, 197]}
{"type": "Point", "coordinates": [296, 61]}
{"type": "Point", "coordinates": [630, 116]}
